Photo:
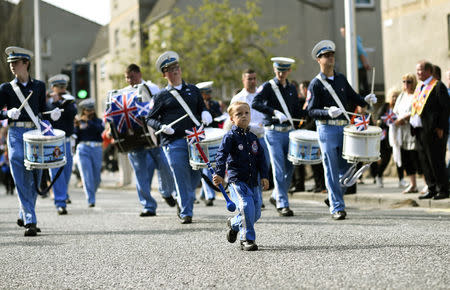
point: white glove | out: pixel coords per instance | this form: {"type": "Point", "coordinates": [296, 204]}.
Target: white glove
{"type": "Point", "coordinates": [280, 116]}
{"type": "Point", "coordinates": [13, 113]}
{"type": "Point", "coordinates": [55, 114]}
{"type": "Point", "coordinates": [167, 130]}
{"type": "Point", "coordinates": [334, 111]}
{"type": "Point", "coordinates": [206, 118]}
{"type": "Point", "coordinates": [370, 99]}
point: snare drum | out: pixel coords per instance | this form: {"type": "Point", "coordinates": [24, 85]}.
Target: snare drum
{"type": "Point", "coordinates": [361, 146]}
{"type": "Point", "coordinates": [138, 137]}
{"type": "Point", "coordinates": [304, 147]}
{"type": "Point", "coordinates": [210, 146]}
{"type": "Point", "coordinates": [41, 152]}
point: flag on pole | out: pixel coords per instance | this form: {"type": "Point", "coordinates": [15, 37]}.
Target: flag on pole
{"type": "Point", "coordinates": [46, 128]}
{"type": "Point", "coordinates": [196, 136]}
{"type": "Point", "coordinates": [389, 118]}
{"type": "Point", "coordinates": [362, 123]}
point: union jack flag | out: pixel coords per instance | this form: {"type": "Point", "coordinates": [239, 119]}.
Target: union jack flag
{"type": "Point", "coordinates": [123, 112]}
{"type": "Point", "coordinates": [46, 128]}
{"type": "Point", "coordinates": [362, 123]}
{"type": "Point", "coordinates": [143, 109]}
{"type": "Point", "coordinates": [196, 135]}
{"type": "Point", "coordinates": [389, 118]}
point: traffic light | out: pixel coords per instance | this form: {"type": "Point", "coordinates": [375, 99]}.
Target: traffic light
{"type": "Point", "coordinates": [81, 80]}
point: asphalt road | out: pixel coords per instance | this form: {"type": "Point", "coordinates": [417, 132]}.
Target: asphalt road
{"type": "Point", "coordinates": [110, 246]}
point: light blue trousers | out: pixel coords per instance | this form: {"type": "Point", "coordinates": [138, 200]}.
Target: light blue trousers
{"type": "Point", "coordinates": [144, 163]}
{"type": "Point", "coordinates": [186, 179]}
{"type": "Point", "coordinates": [90, 165]}
{"type": "Point", "coordinates": [282, 168]}
{"type": "Point", "coordinates": [61, 184]}
{"type": "Point", "coordinates": [330, 141]}
{"type": "Point", "coordinates": [23, 179]}
{"type": "Point", "coordinates": [248, 202]}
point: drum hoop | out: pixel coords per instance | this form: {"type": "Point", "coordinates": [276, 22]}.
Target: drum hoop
{"type": "Point", "coordinates": [36, 165]}
{"type": "Point", "coordinates": [43, 138]}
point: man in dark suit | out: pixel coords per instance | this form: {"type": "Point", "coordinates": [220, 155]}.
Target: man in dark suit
{"type": "Point", "coordinates": [429, 118]}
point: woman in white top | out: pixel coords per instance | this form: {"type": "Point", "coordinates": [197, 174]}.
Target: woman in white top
{"type": "Point", "coordinates": [400, 135]}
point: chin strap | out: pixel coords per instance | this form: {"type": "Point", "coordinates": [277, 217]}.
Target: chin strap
{"type": "Point", "coordinates": [351, 176]}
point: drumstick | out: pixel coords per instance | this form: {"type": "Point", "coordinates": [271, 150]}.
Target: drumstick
{"type": "Point", "coordinates": [26, 101]}
{"type": "Point", "coordinates": [350, 113]}
{"type": "Point", "coordinates": [373, 80]}
{"type": "Point", "coordinates": [171, 124]}
{"type": "Point", "coordinates": [49, 112]}
{"type": "Point", "coordinates": [296, 120]}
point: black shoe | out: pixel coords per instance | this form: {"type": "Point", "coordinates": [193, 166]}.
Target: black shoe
{"type": "Point", "coordinates": [61, 210]}
{"type": "Point", "coordinates": [312, 189]}
{"type": "Point", "coordinates": [351, 189]}
{"type": "Point", "coordinates": [231, 234]}
{"type": "Point", "coordinates": [68, 201]}
{"type": "Point", "coordinates": [263, 205]}
{"type": "Point", "coordinates": [339, 215]}
{"type": "Point", "coordinates": [170, 201]}
{"type": "Point", "coordinates": [248, 246]}
{"type": "Point", "coordinates": [296, 189]}
{"type": "Point", "coordinates": [285, 211]}
{"type": "Point", "coordinates": [186, 220]}
{"type": "Point", "coordinates": [209, 202]}
{"type": "Point", "coordinates": [30, 231]}
{"type": "Point", "coordinates": [440, 195]}
{"type": "Point", "coordinates": [427, 195]}
{"type": "Point", "coordinates": [91, 205]}
{"type": "Point", "coordinates": [147, 213]}
{"type": "Point", "coordinates": [273, 201]}
{"type": "Point", "coordinates": [327, 202]}
{"type": "Point", "coordinates": [20, 222]}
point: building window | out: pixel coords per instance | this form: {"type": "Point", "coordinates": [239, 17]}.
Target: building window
{"type": "Point", "coordinates": [116, 37]}
{"type": "Point", "coordinates": [448, 30]}
{"type": "Point", "coordinates": [132, 34]}
{"type": "Point", "coordinates": [102, 70]}
{"type": "Point", "coordinates": [46, 47]}
{"type": "Point", "coordinates": [364, 4]}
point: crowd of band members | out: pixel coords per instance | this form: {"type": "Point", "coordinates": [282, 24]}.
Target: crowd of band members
{"type": "Point", "coordinates": [416, 149]}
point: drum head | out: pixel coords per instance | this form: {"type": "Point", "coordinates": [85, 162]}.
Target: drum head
{"type": "Point", "coordinates": [213, 134]}
{"type": "Point", "coordinates": [302, 134]}
{"type": "Point", "coordinates": [370, 130]}
{"type": "Point", "coordinates": [36, 135]}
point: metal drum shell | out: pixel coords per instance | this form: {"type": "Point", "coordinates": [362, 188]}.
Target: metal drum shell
{"type": "Point", "coordinates": [210, 145]}
{"type": "Point", "coordinates": [33, 138]}
{"type": "Point", "coordinates": [309, 140]}
{"type": "Point", "coordinates": [361, 146]}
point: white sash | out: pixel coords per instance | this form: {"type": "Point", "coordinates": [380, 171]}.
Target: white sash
{"type": "Point", "coordinates": [185, 106]}
{"type": "Point", "coordinates": [281, 100]}
{"type": "Point", "coordinates": [27, 106]}
{"type": "Point", "coordinates": [333, 94]}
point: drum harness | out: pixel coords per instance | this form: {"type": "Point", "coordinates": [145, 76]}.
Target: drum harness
{"type": "Point", "coordinates": [147, 134]}
{"type": "Point", "coordinates": [351, 176]}
{"type": "Point", "coordinates": [36, 123]}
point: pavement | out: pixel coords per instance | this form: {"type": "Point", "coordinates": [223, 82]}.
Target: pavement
{"type": "Point", "coordinates": [368, 194]}
{"type": "Point", "coordinates": [111, 247]}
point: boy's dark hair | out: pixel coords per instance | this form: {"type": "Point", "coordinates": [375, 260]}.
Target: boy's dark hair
{"type": "Point", "coordinates": [133, 68]}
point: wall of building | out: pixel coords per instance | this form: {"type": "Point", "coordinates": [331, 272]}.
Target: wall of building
{"type": "Point", "coordinates": [414, 30]}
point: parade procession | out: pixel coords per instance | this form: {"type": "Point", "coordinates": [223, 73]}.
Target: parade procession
{"type": "Point", "coordinates": [238, 156]}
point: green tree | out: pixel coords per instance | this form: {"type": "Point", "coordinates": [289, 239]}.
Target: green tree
{"type": "Point", "coordinates": [215, 42]}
